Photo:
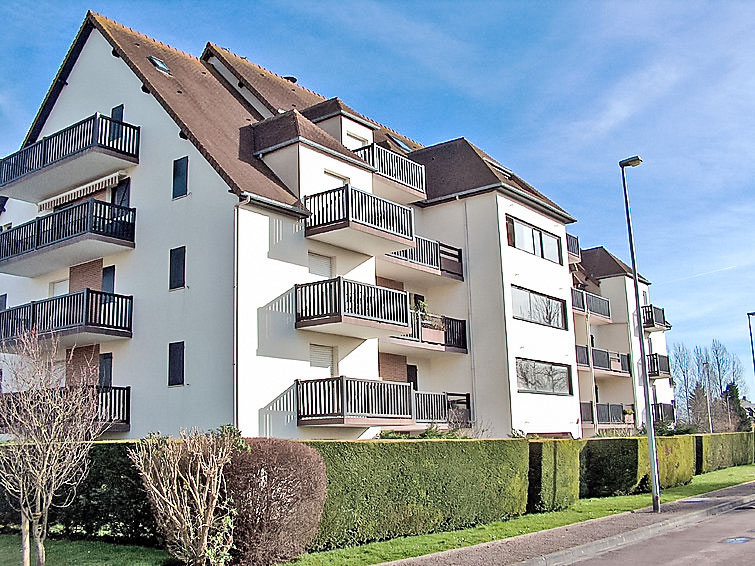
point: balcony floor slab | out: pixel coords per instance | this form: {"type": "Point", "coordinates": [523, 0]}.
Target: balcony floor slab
{"type": "Point", "coordinates": [352, 326]}
{"type": "Point", "coordinates": [407, 347]}
{"type": "Point", "coordinates": [360, 238]}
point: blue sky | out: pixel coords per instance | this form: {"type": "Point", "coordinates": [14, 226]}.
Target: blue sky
{"type": "Point", "coordinates": [558, 91]}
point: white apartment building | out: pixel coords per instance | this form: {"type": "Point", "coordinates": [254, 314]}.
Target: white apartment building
{"type": "Point", "coordinates": [231, 247]}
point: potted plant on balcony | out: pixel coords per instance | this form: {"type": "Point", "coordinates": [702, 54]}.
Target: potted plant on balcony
{"type": "Point", "coordinates": [628, 415]}
{"type": "Point", "coordinates": [433, 328]}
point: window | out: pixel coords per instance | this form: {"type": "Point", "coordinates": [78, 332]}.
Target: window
{"type": "Point", "coordinates": [116, 114]}
{"type": "Point", "coordinates": [321, 265]}
{"type": "Point", "coordinates": [176, 363]}
{"type": "Point", "coordinates": [3, 301]}
{"type": "Point", "coordinates": [108, 279]}
{"type": "Point", "coordinates": [535, 307]}
{"type": "Point", "coordinates": [177, 267]}
{"type": "Point", "coordinates": [399, 142]}
{"type": "Point", "coordinates": [323, 357]}
{"type": "Point", "coordinates": [159, 64]}
{"type": "Point", "coordinates": [355, 140]}
{"type": "Point", "coordinates": [121, 193]}
{"type": "Point", "coordinates": [180, 177]}
{"type": "Point", "coordinates": [532, 240]}
{"type": "Point", "coordinates": [58, 288]}
{"type": "Point", "coordinates": [543, 377]}
{"type": "Point", "coordinates": [334, 180]}
{"type": "Point", "coordinates": [106, 370]}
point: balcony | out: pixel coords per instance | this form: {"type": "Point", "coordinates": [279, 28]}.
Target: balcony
{"type": "Point", "coordinates": [350, 308]}
{"type": "Point", "coordinates": [663, 412]}
{"type": "Point", "coordinates": [346, 401]}
{"type": "Point", "coordinates": [359, 221]}
{"type": "Point", "coordinates": [658, 366]}
{"type": "Point", "coordinates": [73, 235]}
{"type": "Point", "coordinates": [583, 357]}
{"type": "Point", "coordinates": [609, 363]}
{"type": "Point", "coordinates": [90, 149]}
{"type": "Point", "coordinates": [654, 318]}
{"type": "Point", "coordinates": [429, 263]}
{"type": "Point", "coordinates": [430, 333]}
{"type": "Point", "coordinates": [586, 413]}
{"type": "Point", "coordinates": [76, 319]}
{"type": "Point", "coordinates": [398, 178]}
{"type": "Point", "coordinates": [585, 302]}
{"type": "Point", "coordinates": [613, 414]}
{"type": "Point", "coordinates": [572, 247]}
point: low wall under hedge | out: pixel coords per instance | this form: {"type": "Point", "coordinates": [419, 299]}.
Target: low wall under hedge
{"type": "Point", "coordinates": [390, 488]}
{"type": "Point", "coordinates": [723, 450]}
{"type": "Point", "coordinates": [553, 475]}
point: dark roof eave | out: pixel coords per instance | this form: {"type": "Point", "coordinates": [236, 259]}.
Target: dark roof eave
{"type": "Point", "coordinates": [349, 115]}
{"type": "Point", "coordinates": [560, 215]}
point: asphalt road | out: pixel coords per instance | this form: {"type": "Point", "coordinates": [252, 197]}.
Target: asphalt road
{"type": "Point", "coordinates": [701, 544]}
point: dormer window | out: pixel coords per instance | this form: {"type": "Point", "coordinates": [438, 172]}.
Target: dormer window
{"type": "Point", "coordinates": [159, 64]}
{"type": "Point", "coordinates": [399, 142]}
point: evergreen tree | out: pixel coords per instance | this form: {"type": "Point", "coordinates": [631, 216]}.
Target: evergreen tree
{"type": "Point", "coordinates": [739, 416]}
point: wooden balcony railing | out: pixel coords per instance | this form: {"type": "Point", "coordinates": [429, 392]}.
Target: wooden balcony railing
{"type": "Point", "coordinates": [436, 255]}
{"type": "Point", "coordinates": [394, 166]}
{"type": "Point", "coordinates": [585, 412]}
{"type": "Point", "coordinates": [342, 297]}
{"type": "Point", "coordinates": [572, 245]}
{"type": "Point", "coordinates": [658, 364]}
{"type": "Point", "coordinates": [95, 131]}
{"type": "Point", "coordinates": [84, 309]}
{"type": "Point", "coordinates": [346, 397]}
{"type": "Point", "coordinates": [611, 413]}
{"type": "Point", "coordinates": [88, 217]}
{"type": "Point", "coordinates": [653, 316]}
{"type": "Point", "coordinates": [612, 361]}
{"type": "Point", "coordinates": [348, 204]}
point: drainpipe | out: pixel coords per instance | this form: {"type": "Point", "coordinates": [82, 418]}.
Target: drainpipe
{"type": "Point", "coordinates": [246, 200]}
{"type": "Point", "coordinates": [470, 335]}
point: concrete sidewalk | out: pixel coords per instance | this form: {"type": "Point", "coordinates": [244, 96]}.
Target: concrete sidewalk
{"type": "Point", "coordinates": [579, 541]}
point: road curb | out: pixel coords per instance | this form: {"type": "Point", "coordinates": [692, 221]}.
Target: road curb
{"type": "Point", "coordinates": [598, 547]}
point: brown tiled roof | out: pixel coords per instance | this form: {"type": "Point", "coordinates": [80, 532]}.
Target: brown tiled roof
{"type": "Point", "coordinates": [384, 137]}
{"type": "Point", "coordinates": [274, 91]}
{"type": "Point", "coordinates": [211, 116]}
{"type": "Point", "coordinates": [291, 127]}
{"type": "Point", "coordinates": [458, 167]}
{"type": "Point", "coordinates": [599, 263]}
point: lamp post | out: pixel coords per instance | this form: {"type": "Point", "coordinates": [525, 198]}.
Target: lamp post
{"type": "Point", "coordinates": [752, 346]}
{"type": "Point", "coordinates": [706, 366]}
{"type": "Point", "coordinates": [655, 483]}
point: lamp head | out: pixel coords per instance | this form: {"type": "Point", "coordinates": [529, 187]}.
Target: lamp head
{"type": "Point", "coordinates": [630, 161]}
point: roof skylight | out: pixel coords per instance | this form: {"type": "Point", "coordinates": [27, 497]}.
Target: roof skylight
{"type": "Point", "coordinates": [399, 142]}
{"type": "Point", "coordinates": [159, 64]}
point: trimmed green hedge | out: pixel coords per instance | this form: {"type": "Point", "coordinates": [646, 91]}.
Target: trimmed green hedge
{"type": "Point", "coordinates": [615, 466]}
{"type": "Point", "coordinates": [553, 475]}
{"type": "Point", "coordinates": [384, 489]}
{"type": "Point", "coordinates": [723, 450]}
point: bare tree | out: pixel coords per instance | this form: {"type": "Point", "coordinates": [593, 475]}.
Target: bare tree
{"type": "Point", "coordinates": [185, 484]}
{"type": "Point", "coordinates": [50, 424]}
{"type": "Point", "coordinates": [683, 371]}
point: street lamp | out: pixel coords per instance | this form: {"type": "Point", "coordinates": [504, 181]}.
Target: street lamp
{"type": "Point", "coordinates": [706, 366]}
{"type": "Point", "coordinates": [655, 483]}
{"type": "Point", "coordinates": [752, 346]}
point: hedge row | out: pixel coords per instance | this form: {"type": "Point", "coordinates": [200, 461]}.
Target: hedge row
{"type": "Point", "coordinates": [385, 489]}
{"type": "Point", "coordinates": [716, 451]}
{"type": "Point", "coordinates": [380, 490]}
{"type": "Point", "coordinates": [554, 474]}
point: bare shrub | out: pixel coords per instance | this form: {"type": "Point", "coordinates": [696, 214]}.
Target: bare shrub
{"type": "Point", "coordinates": [184, 479]}
{"type": "Point", "coordinates": [278, 489]}
{"type": "Point", "coordinates": [50, 425]}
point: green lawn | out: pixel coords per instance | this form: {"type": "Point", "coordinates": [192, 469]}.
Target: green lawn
{"type": "Point", "coordinates": [583, 510]}
{"type": "Point", "coordinates": [84, 553]}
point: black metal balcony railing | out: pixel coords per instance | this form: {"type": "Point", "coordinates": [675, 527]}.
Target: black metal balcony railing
{"type": "Point", "coordinates": [114, 404]}
{"type": "Point", "coordinates": [95, 131]}
{"type": "Point", "coordinates": [433, 254]}
{"type": "Point", "coordinates": [612, 361]}
{"type": "Point", "coordinates": [572, 245]}
{"type": "Point", "coordinates": [663, 412]}
{"type": "Point", "coordinates": [430, 407]}
{"type": "Point", "coordinates": [394, 166]}
{"type": "Point", "coordinates": [88, 217]}
{"type": "Point", "coordinates": [85, 309]}
{"type": "Point", "coordinates": [348, 204]}
{"type": "Point", "coordinates": [583, 358]}
{"type": "Point", "coordinates": [346, 397]}
{"type": "Point", "coordinates": [342, 297]}
{"type": "Point", "coordinates": [658, 364]}
{"type": "Point", "coordinates": [653, 316]}
{"type": "Point", "coordinates": [578, 299]}
{"type": "Point", "coordinates": [598, 305]}
{"type": "Point", "coordinates": [585, 411]}
{"type": "Point", "coordinates": [454, 330]}
{"type": "Point", "coordinates": [611, 413]}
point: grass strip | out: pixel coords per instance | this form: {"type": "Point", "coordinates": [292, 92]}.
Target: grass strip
{"type": "Point", "coordinates": [582, 510]}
